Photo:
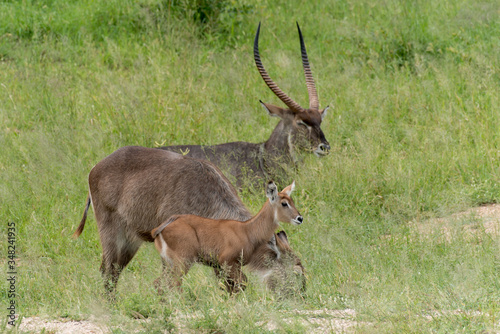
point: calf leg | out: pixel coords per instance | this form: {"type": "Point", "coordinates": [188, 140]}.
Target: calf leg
{"type": "Point", "coordinates": [234, 279]}
{"type": "Point", "coordinates": [174, 265]}
{"type": "Point", "coordinates": [172, 275]}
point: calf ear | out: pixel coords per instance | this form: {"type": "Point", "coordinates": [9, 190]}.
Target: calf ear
{"type": "Point", "coordinates": [273, 110]}
{"type": "Point", "coordinates": [272, 191]}
{"type": "Point", "coordinates": [283, 237]}
{"type": "Point", "coordinates": [288, 190]}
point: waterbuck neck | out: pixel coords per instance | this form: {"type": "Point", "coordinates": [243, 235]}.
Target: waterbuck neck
{"type": "Point", "coordinates": [261, 227]}
{"type": "Point", "coordinates": [279, 143]}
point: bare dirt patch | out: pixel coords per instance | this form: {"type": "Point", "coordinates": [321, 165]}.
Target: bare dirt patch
{"type": "Point", "coordinates": [320, 321]}
{"type": "Point", "coordinates": [62, 326]}
{"type": "Point", "coordinates": [472, 221]}
{"type": "Point", "coordinates": [316, 321]}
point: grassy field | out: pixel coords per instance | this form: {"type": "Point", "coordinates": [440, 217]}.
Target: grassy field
{"type": "Point", "coordinates": [414, 129]}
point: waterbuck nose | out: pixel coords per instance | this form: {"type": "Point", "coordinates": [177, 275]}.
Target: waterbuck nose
{"type": "Point", "coordinates": [324, 147]}
{"type": "Point", "coordinates": [300, 219]}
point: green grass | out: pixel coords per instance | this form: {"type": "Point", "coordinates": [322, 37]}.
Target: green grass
{"type": "Point", "coordinates": [414, 129]}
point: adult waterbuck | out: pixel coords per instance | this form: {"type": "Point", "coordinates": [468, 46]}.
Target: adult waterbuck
{"type": "Point", "coordinates": [226, 245]}
{"type": "Point", "coordinates": [298, 129]}
{"type": "Point", "coordinates": [135, 189]}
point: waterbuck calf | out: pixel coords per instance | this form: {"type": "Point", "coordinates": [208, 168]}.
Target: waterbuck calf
{"type": "Point", "coordinates": [226, 245]}
{"type": "Point", "coordinates": [135, 189]}
{"type": "Point", "coordinates": [298, 129]}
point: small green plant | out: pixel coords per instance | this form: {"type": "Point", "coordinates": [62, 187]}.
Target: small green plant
{"type": "Point", "coordinates": [220, 20]}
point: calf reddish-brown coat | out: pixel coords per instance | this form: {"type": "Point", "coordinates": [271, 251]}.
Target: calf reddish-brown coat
{"type": "Point", "coordinates": [186, 239]}
{"type": "Point", "coordinates": [135, 189]}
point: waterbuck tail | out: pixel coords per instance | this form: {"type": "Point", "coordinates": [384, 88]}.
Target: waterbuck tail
{"type": "Point", "coordinates": [79, 230]}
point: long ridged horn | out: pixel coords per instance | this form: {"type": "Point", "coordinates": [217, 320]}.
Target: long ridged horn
{"type": "Point", "coordinates": [311, 87]}
{"type": "Point", "coordinates": [294, 106]}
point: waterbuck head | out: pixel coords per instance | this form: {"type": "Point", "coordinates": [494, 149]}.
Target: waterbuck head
{"type": "Point", "coordinates": [282, 204]}
{"type": "Point", "coordinates": [301, 126]}
{"type": "Point", "coordinates": [289, 277]}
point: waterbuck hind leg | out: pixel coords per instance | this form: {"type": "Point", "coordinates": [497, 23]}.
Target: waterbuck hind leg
{"type": "Point", "coordinates": [113, 265]}
{"type": "Point", "coordinates": [117, 251]}
{"type": "Point", "coordinates": [110, 274]}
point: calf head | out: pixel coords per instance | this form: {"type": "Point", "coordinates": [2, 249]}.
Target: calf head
{"type": "Point", "coordinates": [282, 204]}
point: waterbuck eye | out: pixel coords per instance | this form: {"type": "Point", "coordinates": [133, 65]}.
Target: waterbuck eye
{"type": "Point", "coordinates": [284, 204]}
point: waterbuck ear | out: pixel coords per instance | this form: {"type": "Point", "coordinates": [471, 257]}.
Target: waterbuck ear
{"type": "Point", "coordinates": [323, 113]}
{"type": "Point", "coordinates": [274, 247]}
{"type": "Point", "coordinates": [272, 191]}
{"type": "Point", "coordinates": [273, 110]}
{"type": "Point", "coordinates": [283, 237]}
{"type": "Point", "coordinates": [288, 190]}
